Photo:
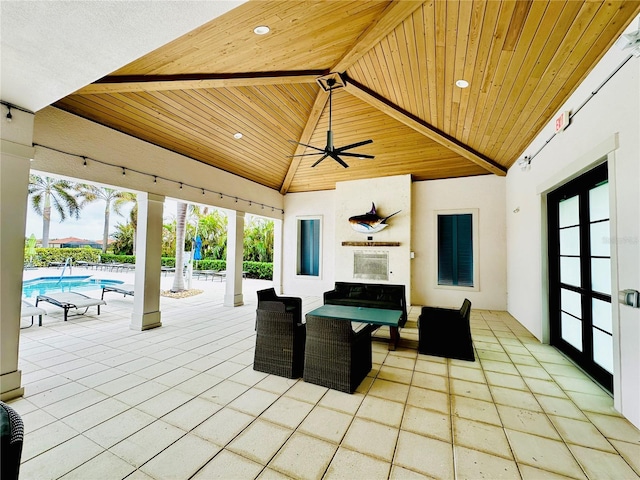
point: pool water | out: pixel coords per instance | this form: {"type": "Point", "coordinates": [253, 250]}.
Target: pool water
{"type": "Point", "coordinates": [45, 285]}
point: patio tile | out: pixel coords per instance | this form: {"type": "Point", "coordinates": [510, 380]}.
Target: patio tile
{"type": "Point", "coordinates": [477, 465]}
{"type": "Point", "coordinates": [294, 460]}
{"type": "Point", "coordinates": [119, 427]}
{"type": "Point", "coordinates": [431, 366]}
{"type": "Point", "coordinates": [120, 384]}
{"type": "Point", "coordinates": [223, 426]}
{"type": "Point", "coordinates": [427, 423]}
{"type": "Point", "coordinates": [349, 464]}
{"type": "Point", "coordinates": [106, 465]}
{"type": "Point", "coordinates": [254, 401]}
{"type": "Point", "coordinates": [181, 459]}
{"type": "Point", "coordinates": [227, 465]}
{"type": "Point", "coordinates": [544, 453]}
{"type": "Point", "coordinates": [431, 399]}
{"type": "Point", "coordinates": [260, 441]}
{"type": "Point", "coordinates": [393, 391]}
{"type": "Point", "coordinates": [515, 398]}
{"type": "Point", "coordinates": [371, 438]}
{"type": "Point", "coordinates": [432, 382]}
{"type": "Point", "coordinates": [505, 380]}
{"type": "Point", "coordinates": [630, 452]}
{"type": "Point", "coordinates": [400, 473]}
{"type": "Point", "coordinates": [582, 433]}
{"type": "Point", "coordinates": [141, 393]}
{"type": "Point", "coordinates": [428, 456]}
{"type": "Point", "coordinates": [95, 414]}
{"type": "Point", "coordinates": [475, 390]}
{"type": "Point", "coordinates": [191, 414]}
{"type": "Point", "coordinates": [287, 412]}
{"type": "Point", "coordinates": [224, 392]}
{"type": "Point", "coordinates": [395, 374]}
{"type": "Point", "coordinates": [60, 460]}
{"type": "Point", "coordinates": [307, 392]}
{"type": "Point", "coordinates": [615, 427]}
{"type": "Point", "coordinates": [560, 406]}
{"type": "Point", "coordinates": [164, 402]}
{"type": "Point", "coordinates": [45, 438]}
{"type": "Point", "coordinates": [532, 473]}
{"type": "Point", "coordinates": [36, 419]}
{"type": "Point", "coordinates": [593, 403]}
{"type": "Point", "coordinates": [545, 387]}
{"type": "Point", "coordinates": [599, 464]}
{"type": "Point", "coordinates": [481, 436]}
{"type": "Point", "coordinates": [146, 443]}
{"type": "Point", "coordinates": [276, 384]}
{"type": "Point", "coordinates": [326, 424]}
{"type": "Point", "coordinates": [381, 411]}
{"type": "Point", "coordinates": [475, 410]}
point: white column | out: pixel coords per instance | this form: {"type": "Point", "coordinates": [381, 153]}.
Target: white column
{"type": "Point", "coordinates": [277, 256]}
{"type": "Point", "coordinates": [16, 152]}
{"type": "Point", "coordinates": [146, 301]}
{"type": "Point", "coordinates": [235, 247]}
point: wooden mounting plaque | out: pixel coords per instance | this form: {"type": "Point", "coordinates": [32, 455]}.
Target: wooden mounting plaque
{"type": "Point", "coordinates": [370, 244]}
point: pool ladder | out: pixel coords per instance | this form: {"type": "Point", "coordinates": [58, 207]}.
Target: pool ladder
{"type": "Point", "coordinates": [66, 262]}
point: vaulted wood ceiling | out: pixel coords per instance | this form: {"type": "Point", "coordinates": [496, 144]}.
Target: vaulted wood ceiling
{"type": "Point", "coordinates": [399, 61]}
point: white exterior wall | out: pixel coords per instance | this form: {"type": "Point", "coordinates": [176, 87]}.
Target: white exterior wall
{"type": "Point", "coordinates": [313, 204]}
{"type": "Point", "coordinates": [608, 124]}
{"type": "Point", "coordinates": [485, 195]}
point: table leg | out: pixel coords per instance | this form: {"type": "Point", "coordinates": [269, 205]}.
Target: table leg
{"type": "Point", "coordinates": [395, 337]}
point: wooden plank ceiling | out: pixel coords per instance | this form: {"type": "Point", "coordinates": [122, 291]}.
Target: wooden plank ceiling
{"type": "Point", "coordinates": [399, 61]}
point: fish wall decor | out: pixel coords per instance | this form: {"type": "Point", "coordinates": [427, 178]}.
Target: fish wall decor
{"type": "Point", "coordinates": [370, 222]}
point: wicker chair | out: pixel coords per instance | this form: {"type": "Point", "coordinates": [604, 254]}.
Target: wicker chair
{"type": "Point", "coordinates": [446, 332]}
{"type": "Point", "coordinates": [12, 434]}
{"type": "Point", "coordinates": [280, 335]}
{"type": "Point", "coordinates": [335, 355]}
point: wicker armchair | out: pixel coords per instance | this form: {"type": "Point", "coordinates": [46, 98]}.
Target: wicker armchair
{"type": "Point", "coordinates": [12, 434]}
{"type": "Point", "coordinates": [335, 355]}
{"type": "Point", "coordinates": [280, 335]}
{"type": "Point", "coordinates": [446, 332]}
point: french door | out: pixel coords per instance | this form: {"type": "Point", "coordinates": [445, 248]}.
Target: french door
{"type": "Point", "coordinates": [580, 273]}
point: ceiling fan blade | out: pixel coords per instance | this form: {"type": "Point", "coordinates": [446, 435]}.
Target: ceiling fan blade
{"type": "Point", "coordinates": [323, 157]}
{"type": "Point", "coordinates": [306, 154]}
{"type": "Point", "coordinates": [357, 155]}
{"type": "Point", "coordinates": [353, 145]}
{"type": "Point", "coordinates": [335, 156]}
{"type": "Point", "coordinates": [306, 145]}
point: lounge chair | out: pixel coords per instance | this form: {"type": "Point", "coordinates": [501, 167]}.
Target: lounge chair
{"type": "Point", "coordinates": [124, 289]}
{"type": "Point", "coordinates": [28, 310]}
{"type": "Point", "coordinates": [69, 300]}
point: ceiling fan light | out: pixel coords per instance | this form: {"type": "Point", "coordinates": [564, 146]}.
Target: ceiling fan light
{"type": "Point", "coordinates": [261, 30]}
{"type": "Point", "coordinates": [462, 83]}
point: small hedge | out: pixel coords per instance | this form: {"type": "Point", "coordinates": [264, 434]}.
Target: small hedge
{"type": "Point", "coordinates": [44, 256]}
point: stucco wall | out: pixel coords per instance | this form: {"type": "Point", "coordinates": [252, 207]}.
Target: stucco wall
{"type": "Point", "coordinates": [611, 117]}
{"type": "Point", "coordinates": [486, 195]}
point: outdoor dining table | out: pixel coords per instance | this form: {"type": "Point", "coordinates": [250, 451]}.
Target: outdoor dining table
{"type": "Point", "coordinates": [372, 316]}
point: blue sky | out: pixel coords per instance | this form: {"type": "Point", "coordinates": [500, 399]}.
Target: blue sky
{"type": "Point", "coordinates": [90, 224]}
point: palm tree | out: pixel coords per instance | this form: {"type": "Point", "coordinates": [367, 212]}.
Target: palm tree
{"type": "Point", "coordinates": [181, 222]}
{"type": "Point", "coordinates": [111, 197]}
{"type": "Point", "coordinates": [46, 192]}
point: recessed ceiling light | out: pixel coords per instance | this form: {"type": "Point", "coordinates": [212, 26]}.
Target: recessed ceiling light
{"type": "Point", "coordinates": [261, 30]}
{"type": "Point", "coordinates": [237, 136]}
{"type": "Point", "coordinates": [462, 83]}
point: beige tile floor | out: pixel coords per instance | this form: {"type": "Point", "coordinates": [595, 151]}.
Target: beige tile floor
{"type": "Point", "coordinates": [182, 401]}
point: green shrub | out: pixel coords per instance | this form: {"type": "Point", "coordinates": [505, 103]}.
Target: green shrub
{"type": "Point", "coordinates": [44, 256]}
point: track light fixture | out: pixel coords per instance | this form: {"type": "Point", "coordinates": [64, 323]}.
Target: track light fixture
{"type": "Point", "coordinates": [9, 116]}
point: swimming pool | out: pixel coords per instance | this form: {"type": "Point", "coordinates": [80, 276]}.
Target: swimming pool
{"type": "Point", "coordinates": [45, 285]}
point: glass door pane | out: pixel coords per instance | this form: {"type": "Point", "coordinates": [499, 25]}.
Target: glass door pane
{"type": "Point", "coordinates": [580, 273]}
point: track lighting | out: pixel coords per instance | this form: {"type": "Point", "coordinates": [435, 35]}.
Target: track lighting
{"type": "Point", "coordinates": [180, 185]}
{"type": "Point", "coordinates": [124, 171]}
{"type": "Point", "coordinates": [155, 179]}
{"type": "Point", "coordinates": [84, 163]}
{"type": "Point", "coordinates": [9, 116]}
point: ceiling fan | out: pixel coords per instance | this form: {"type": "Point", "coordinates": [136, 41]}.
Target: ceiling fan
{"type": "Point", "coordinates": [330, 83]}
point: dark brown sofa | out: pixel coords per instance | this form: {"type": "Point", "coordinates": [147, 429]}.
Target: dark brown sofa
{"type": "Point", "coordinates": [372, 295]}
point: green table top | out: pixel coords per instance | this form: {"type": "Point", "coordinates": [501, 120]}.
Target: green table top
{"type": "Point", "coordinates": [375, 316]}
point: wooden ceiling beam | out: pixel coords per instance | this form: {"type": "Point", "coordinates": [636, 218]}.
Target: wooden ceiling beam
{"type": "Point", "coordinates": [305, 137]}
{"type": "Point", "coordinates": [396, 12]}
{"type": "Point", "coordinates": [155, 83]}
{"type": "Point", "coordinates": [385, 106]}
